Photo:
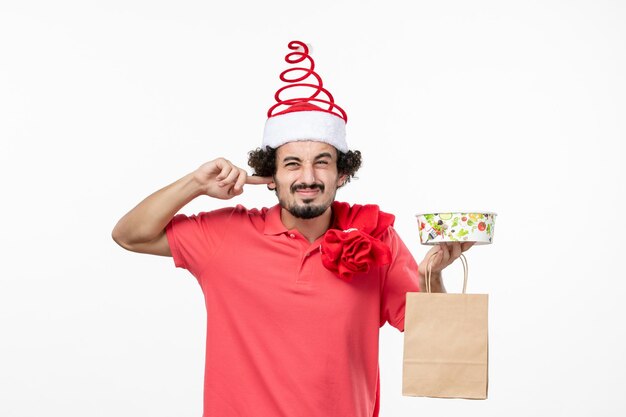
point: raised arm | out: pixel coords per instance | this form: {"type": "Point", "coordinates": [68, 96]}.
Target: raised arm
{"type": "Point", "coordinates": [143, 228]}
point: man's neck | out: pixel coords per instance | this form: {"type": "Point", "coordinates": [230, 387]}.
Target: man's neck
{"type": "Point", "coordinates": [309, 228]}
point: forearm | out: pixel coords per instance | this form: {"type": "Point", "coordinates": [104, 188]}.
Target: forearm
{"type": "Point", "coordinates": [148, 219]}
{"type": "Point", "coordinates": [436, 282]}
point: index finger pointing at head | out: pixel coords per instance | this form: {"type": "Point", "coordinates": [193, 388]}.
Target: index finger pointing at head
{"type": "Point", "coordinates": [255, 179]}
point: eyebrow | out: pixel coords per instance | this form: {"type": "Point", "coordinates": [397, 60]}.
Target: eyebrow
{"type": "Point", "coordinates": [324, 155]}
{"type": "Point", "coordinates": [320, 156]}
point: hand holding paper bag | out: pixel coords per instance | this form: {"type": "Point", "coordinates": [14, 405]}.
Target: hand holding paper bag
{"type": "Point", "coordinates": [439, 257]}
{"type": "Point", "coordinates": [442, 255]}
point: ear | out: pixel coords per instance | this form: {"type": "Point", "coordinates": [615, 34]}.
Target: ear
{"type": "Point", "coordinates": [341, 180]}
{"type": "Point", "coordinates": [271, 186]}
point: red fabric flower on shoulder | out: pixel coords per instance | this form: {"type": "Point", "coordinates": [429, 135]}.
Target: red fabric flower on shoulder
{"type": "Point", "coordinates": [352, 245]}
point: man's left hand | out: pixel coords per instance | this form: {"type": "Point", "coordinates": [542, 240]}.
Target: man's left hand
{"type": "Point", "coordinates": [443, 255]}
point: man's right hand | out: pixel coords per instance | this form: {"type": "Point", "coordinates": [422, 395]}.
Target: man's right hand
{"type": "Point", "coordinates": [222, 179]}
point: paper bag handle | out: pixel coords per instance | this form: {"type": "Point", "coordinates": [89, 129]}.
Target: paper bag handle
{"type": "Point", "coordinates": [429, 267]}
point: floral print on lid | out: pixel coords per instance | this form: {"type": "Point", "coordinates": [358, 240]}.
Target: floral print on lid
{"type": "Point", "coordinates": [456, 227]}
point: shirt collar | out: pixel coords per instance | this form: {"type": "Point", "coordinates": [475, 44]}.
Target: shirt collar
{"type": "Point", "coordinates": [273, 224]}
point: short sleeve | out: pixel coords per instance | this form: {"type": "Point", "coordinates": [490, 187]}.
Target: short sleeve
{"type": "Point", "coordinates": [402, 276]}
{"type": "Point", "coordinates": [194, 239]}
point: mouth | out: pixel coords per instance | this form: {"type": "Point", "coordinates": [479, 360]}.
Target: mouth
{"type": "Point", "coordinates": [308, 192]}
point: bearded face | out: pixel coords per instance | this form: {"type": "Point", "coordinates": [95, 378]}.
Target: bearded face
{"type": "Point", "coordinates": [306, 178]}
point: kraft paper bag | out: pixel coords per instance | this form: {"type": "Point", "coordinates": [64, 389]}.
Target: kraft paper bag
{"type": "Point", "coordinates": [445, 344]}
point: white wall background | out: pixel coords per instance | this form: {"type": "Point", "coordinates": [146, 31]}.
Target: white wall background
{"type": "Point", "coordinates": [512, 107]}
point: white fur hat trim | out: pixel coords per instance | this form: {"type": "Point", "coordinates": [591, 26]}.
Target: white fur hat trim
{"type": "Point", "coordinates": [305, 125]}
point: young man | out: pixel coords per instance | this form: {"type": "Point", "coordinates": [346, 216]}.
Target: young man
{"type": "Point", "coordinates": [296, 293]}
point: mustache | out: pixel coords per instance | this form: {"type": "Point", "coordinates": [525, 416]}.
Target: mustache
{"type": "Point", "coordinates": [297, 187]}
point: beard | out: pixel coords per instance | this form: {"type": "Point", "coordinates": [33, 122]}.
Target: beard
{"type": "Point", "coordinates": [307, 210]}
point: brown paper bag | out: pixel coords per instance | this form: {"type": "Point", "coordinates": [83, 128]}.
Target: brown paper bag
{"type": "Point", "coordinates": [445, 344]}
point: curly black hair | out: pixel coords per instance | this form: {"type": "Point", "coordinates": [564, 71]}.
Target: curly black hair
{"type": "Point", "coordinates": [263, 162]}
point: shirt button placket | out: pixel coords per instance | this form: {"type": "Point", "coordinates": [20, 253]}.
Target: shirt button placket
{"type": "Point", "coordinates": [307, 266]}
{"type": "Point", "coordinates": [300, 279]}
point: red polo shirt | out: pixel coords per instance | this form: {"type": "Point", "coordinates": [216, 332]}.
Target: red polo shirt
{"type": "Point", "coordinates": [285, 336]}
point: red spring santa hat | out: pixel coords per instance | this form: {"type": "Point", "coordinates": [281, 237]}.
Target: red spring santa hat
{"type": "Point", "coordinates": [300, 118]}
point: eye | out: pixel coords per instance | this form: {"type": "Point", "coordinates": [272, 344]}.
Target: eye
{"type": "Point", "coordinates": [322, 162]}
{"type": "Point", "coordinates": [291, 164]}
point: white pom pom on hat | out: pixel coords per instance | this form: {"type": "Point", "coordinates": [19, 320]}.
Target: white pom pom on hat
{"type": "Point", "coordinates": [302, 119]}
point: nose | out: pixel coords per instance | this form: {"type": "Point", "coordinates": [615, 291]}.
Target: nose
{"type": "Point", "coordinates": [308, 174]}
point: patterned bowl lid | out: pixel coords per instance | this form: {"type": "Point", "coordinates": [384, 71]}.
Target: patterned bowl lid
{"type": "Point", "coordinates": [465, 226]}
